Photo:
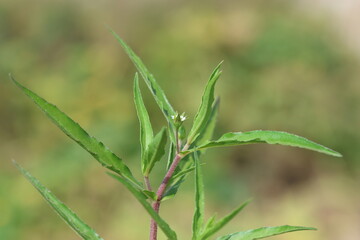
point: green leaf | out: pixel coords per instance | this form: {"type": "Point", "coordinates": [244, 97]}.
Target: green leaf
{"type": "Point", "coordinates": [182, 173]}
{"type": "Point", "coordinates": [155, 151]}
{"type": "Point", "coordinates": [172, 190]}
{"type": "Point", "coordinates": [214, 227]}
{"type": "Point", "coordinates": [270, 137]}
{"type": "Point", "coordinates": [73, 130]}
{"type": "Point", "coordinates": [263, 232]}
{"type": "Point", "coordinates": [209, 224]}
{"type": "Point", "coordinates": [150, 194]}
{"type": "Point", "coordinates": [154, 87]}
{"type": "Point", "coordinates": [198, 218]}
{"type": "Point", "coordinates": [171, 155]}
{"type": "Point", "coordinates": [146, 132]}
{"type": "Point", "coordinates": [209, 128]}
{"type": "Point", "coordinates": [140, 196]}
{"type": "Point", "coordinates": [204, 112]}
{"type": "Point", "coordinates": [178, 178]}
{"type": "Point", "coordinates": [64, 212]}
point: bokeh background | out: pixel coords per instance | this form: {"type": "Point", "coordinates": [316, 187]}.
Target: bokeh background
{"type": "Point", "coordinates": [288, 65]}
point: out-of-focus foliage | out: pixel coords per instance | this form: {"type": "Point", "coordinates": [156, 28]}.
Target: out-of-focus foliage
{"type": "Point", "coordinates": [283, 69]}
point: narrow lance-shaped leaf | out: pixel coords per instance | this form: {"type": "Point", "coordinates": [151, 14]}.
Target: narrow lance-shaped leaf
{"type": "Point", "coordinates": [263, 232]}
{"type": "Point", "coordinates": [64, 212]}
{"type": "Point", "coordinates": [216, 226]}
{"type": "Point", "coordinates": [171, 235]}
{"type": "Point", "coordinates": [150, 194]}
{"type": "Point", "coordinates": [146, 131]}
{"type": "Point", "coordinates": [172, 190]}
{"type": "Point", "coordinates": [270, 137]}
{"type": "Point", "coordinates": [198, 218]}
{"type": "Point", "coordinates": [72, 129]}
{"type": "Point", "coordinates": [178, 178]}
{"type": "Point", "coordinates": [210, 223]}
{"type": "Point", "coordinates": [209, 128]}
{"type": "Point", "coordinates": [171, 155]}
{"type": "Point", "coordinates": [149, 79]}
{"type": "Point", "coordinates": [182, 173]}
{"type": "Point", "coordinates": [155, 151]}
{"type": "Point", "coordinates": [204, 112]}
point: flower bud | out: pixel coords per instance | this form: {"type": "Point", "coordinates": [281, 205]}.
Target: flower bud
{"type": "Point", "coordinates": [178, 120]}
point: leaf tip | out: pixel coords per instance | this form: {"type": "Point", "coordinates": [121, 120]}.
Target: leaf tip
{"type": "Point", "coordinates": [332, 152]}
{"type": "Point", "coordinates": [217, 70]}
{"type": "Point", "coordinates": [136, 80]}
{"type": "Point", "coordinates": [302, 228]}
{"type": "Point", "coordinates": [247, 202]}
{"type": "Point", "coordinates": [15, 163]}
{"type": "Point", "coordinates": [108, 28]}
{"type": "Point", "coordinates": [337, 154]}
{"type": "Point", "coordinates": [106, 25]}
{"type": "Point", "coordinates": [21, 169]}
{"type": "Point", "coordinates": [11, 76]}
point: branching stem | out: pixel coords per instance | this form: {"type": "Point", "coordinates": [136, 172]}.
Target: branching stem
{"type": "Point", "coordinates": [161, 190]}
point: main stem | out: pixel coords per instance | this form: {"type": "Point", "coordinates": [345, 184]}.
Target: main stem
{"type": "Point", "coordinates": [161, 190]}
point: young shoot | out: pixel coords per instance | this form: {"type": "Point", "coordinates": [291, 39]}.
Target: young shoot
{"type": "Point", "coordinates": [173, 139]}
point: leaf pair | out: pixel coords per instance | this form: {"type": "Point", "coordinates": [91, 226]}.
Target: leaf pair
{"type": "Point", "coordinates": [78, 225]}
{"type": "Point", "coordinates": [205, 111]}
{"type": "Point", "coordinates": [204, 133]}
{"type": "Point", "coordinates": [152, 148]}
{"type": "Point", "coordinates": [152, 84]}
{"type": "Point", "coordinates": [204, 124]}
{"type": "Point", "coordinates": [73, 130]}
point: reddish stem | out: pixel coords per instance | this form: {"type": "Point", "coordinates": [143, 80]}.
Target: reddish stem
{"type": "Point", "coordinates": [153, 225]}
{"type": "Point", "coordinates": [147, 183]}
{"type": "Point", "coordinates": [161, 190]}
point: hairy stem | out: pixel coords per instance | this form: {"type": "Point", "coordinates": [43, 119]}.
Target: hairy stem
{"type": "Point", "coordinates": [147, 183]}
{"type": "Point", "coordinates": [153, 225]}
{"type": "Point", "coordinates": [161, 190]}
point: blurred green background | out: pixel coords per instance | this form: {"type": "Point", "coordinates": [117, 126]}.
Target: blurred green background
{"type": "Point", "coordinates": [285, 68]}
